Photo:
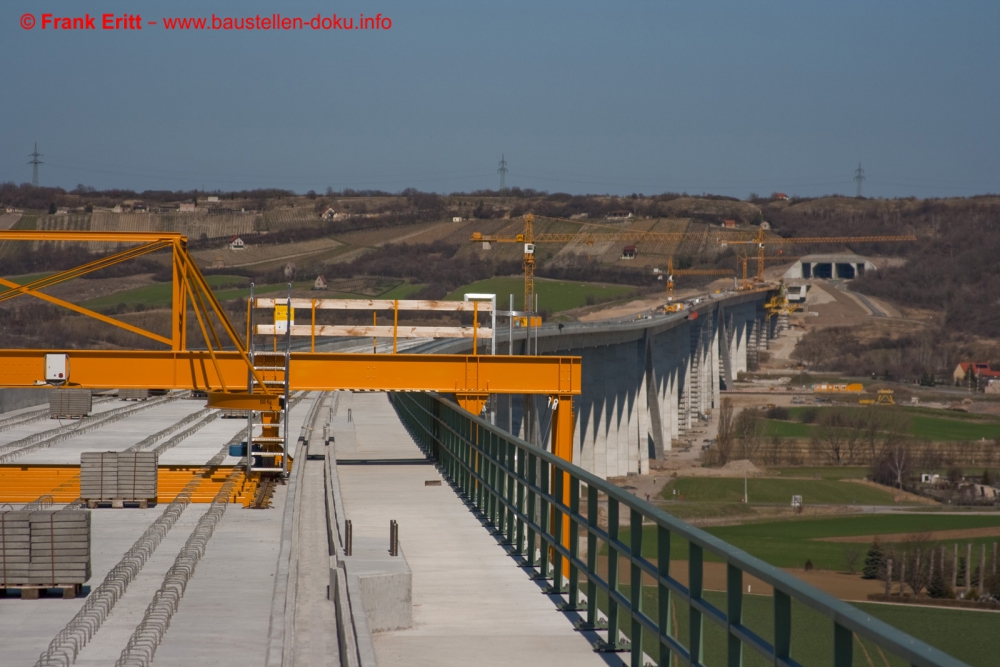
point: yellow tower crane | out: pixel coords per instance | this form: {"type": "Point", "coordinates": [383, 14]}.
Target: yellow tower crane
{"type": "Point", "coordinates": [743, 258]}
{"type": "Point", "coordinates": [529, 239]}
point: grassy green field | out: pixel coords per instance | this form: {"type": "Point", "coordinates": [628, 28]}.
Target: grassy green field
{"type": "Point", "coordinates": [553, 295]}
{"type": "Point", "coordinates": [791, 543]}
{"type": "Point", "coordinates": [158, 295]}
{"type": "Point", "coordinates": [924, 423]}
{"type": "Point", "coordinates": [970, 636]}
{"type": "Point", "coordinates": [24, 280]}
{"type": "Point", "coordinates": [823, 472]}
{"type": "Point", "coordinates": [776, 491]}
{"type": "Point", "coordinates": [404, 291]}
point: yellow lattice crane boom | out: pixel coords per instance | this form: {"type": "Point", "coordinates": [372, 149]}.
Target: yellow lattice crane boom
{"type": "Point", "coordinates": [671, 272]}
{"type": "Point", "coordinates": [529, 239]}
{"type": "Point", "coordinates": [762, 239]}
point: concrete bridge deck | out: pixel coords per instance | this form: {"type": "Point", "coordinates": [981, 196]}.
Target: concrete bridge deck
{"type": "Point", "coordinates": [471, 603]}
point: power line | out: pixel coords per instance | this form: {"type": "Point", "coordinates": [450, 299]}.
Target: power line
{"type": "Point", "coordinates": [34, 162]}
{"type": "Point", "coordinates": [859, 176]}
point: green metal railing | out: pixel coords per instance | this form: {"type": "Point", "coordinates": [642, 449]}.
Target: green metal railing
{"type": "Point", "coordinates": [541, 506]}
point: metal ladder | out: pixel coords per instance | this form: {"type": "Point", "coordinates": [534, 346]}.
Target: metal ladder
{"type": "Point", "coordinates": [267, 430]}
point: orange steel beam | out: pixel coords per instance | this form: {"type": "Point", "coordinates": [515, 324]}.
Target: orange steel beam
{"type": "Point", "coordinates": [310, 371]}
{"type": "Point", "coordinates": [228, 369]}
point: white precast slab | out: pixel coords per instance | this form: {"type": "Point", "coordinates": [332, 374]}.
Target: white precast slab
{"type": "Point", "coordinates": [472, 605]}
{"type": "Point", "coordinates": [225, 613]}
{"type": "Point", "coordinates": [27, 626]}
{"type": "Point", "coordinates": [117, 436]}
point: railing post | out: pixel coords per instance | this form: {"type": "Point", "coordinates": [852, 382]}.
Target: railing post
{"type": "Point", "coordinates": [510, 485]}
{"type": "Point", "coordinates": [544, 519]}
{"type": "Point", "coordinates": [519, 540]}
{"type": "Point", "coordinates": [843, 646]}
{"type": "Point", "coordinates": [477, 461]}
{"type": "Point", "coordinates": [559, 563]}
{"type": "Point", "coordinates": [664, 616]}
{"type": "Point", "coordinates": [696, 634]}
{"type": "Point", "coordinates": [491, 477]}
{"type": "Point", "coordinates": [782, 625]}
{"type": "Point", "coordinates": [573, 603]}
{"type": "Point", "coordinates": [734, 613]}
{"type": "Point", "coordinates": [530, 482]}
{"type": "Point", "coordinates": [436, 430]}
{"type": "Point", "coordinates": [592, 523]}
{"type": "Point", "coordinates": [635, 551]}
{"type": "Point", "coordinates": [613, 643]}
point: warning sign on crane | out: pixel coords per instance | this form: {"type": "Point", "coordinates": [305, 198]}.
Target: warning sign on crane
{"type": "Point", "coordinates": [281, 318]}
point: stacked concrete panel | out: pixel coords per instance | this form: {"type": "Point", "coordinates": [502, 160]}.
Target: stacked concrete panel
{"type": "Point", "coordinates": [133, 394]}
{"type": "Point", "coordinates": [137, 475]}
{"type": "Point", "coordinates": [118, 477]}
{"type": "Point", "coordinates": [99, 475]}
{"type": "Point", "coordinates": [15, 547]}
{"type": "Point", "coordinates": [44, 548]}
{"type": "Point", "coordinates": [70, 403]}
{"type": "Point", "coordinates": [60, 547]}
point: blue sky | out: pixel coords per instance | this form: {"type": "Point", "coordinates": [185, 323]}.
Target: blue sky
{"type": "Point", "coordinates": [721, 97]}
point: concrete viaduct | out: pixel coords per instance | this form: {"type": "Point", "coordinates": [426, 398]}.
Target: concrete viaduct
{"type": "Point", "coordinates": [647, 383]}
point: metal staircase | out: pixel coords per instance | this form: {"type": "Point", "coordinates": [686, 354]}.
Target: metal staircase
{"type": "Point", "coordinates": [267, 430]}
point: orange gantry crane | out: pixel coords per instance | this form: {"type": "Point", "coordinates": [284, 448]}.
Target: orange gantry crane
{"type": "Point", "coordinates": [529, 239]}
{"type": "Point", "coordinates": [761, 239]}
{"type": "Point", "coordinates": [223, 366]}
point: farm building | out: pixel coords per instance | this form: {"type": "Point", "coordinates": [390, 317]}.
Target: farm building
{"type": "Point", "coordinates": [236, 243]}
{"type": "Point", "coordinates": [329, 214]}
{"type": "Point", "coordinates": [628, 252]}
{"type": "Point", "coordinates": [319, 283]}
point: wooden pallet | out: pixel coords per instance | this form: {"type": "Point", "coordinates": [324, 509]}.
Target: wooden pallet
{"type": "Point", "coordinates": [33, 591]}
{"type": "Point", "coordinates": [119, 503]}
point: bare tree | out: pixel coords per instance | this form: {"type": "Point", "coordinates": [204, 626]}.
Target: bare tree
{"type": "Point", "coordinates": [852, 556]}
{"type": "Point", "coordinates": [749, 430]}
{"type": "Point", "coordinates": [919, 561]}
{"type": "Point", "coordinates": [881, 428]}
{"type": "Point", "coordinates": [830, 437]}
{"type": "Point", "coordinates": [724, 438]}
{"type": "Point", "coordinates": [775, 449]}
{"type": "Point", "coordinates": [899, 460]}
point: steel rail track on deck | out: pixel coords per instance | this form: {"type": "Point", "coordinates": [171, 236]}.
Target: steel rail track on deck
{"type": "Point", "coordinates": [531, 499]}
